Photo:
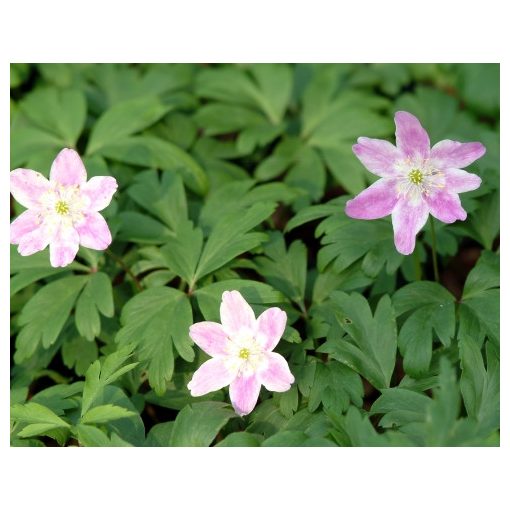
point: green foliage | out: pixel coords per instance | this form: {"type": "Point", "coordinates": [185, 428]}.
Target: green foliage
{"type": "Point", "coordinates": [235, 177]}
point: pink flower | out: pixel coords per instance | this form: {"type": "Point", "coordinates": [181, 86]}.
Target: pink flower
{"type": "Point", "coordinates": [61, 212]}
{"type": "Point", "coordinates": [415, 180]}
{"type": "Point", "coordinates": [241, 349]}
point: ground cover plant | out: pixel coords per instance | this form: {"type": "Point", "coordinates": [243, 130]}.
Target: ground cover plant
{"type": "Point", "coordinates": [233, 261]}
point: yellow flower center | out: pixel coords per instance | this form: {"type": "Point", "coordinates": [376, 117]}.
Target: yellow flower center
{"type": "Point", "coordinates": [244, 353]}
{"type": "Point", "coordinates": [61, 207]}
{"type": "Point", "coordinates": [415, 176]}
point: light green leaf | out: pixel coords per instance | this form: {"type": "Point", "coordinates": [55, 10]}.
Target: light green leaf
{"type": "Point", "coordinates": [105, 413]}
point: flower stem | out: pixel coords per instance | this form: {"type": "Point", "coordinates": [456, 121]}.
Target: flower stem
{"type": "Point", "coordinates": [434, 249]}
{"type": "Point", "coordinates": [123, 266]}
{"type": "Point", "coordinates": [417, 265]}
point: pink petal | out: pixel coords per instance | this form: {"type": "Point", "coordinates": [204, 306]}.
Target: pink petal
{"type": "Point", "coordinates": [64, 246]}
{"type": "Point", "coordinates": [459, 181]}
{"type": "Point", "coordinates": [236, 314]}
{"type": "Point", "coordinates": [450, 154]}
{"type": "Point", "coordinates": [211, 376]}
{"type": "Point", "coordinates": [210, 337]}
{"type": "Point", "coordinates": [27, 187]}
{"type": "Point", "coordinates": [94, 232]}
{"type": "Point", "coordinates": [412, 139]}
{"type": "Point", "coordinates": [270, 327]}
{"type": "Point", "coordinates": [34, 241]}
{"type": "Point", "coordinates": [408, 219]}
{"type": "Point", "coordinates": [376, 201]}
{"type": "Point", "coordinates": [25, 223]}
{"type": "Point", "coordinates": [68, 168]}
{"type": "Point", "coordinates": [99, 190]}
{"type": "Point", "coordinates": [244, 392]}
{"type": "Point", "coordinates": [276, 376]}
{"type": "Point", "coordinates": [445, 206]}
{"type": "Point", "coordinates": [378, 156]}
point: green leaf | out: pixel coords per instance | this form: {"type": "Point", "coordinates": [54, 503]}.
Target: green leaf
{"type": "Point", "coordinates": [42, 418]}
{"type": "Point", "coordinates": [182, 252]}
{"type": "Point", "coordinates": [240, 439]}
{"type": "Point", "coordinates": [45, 314]}
{"type": "Point", "coordinates": [480, 295]}
{"type": "Point", "coordinates": [155, 321]}
{"type": "Point", "coordinates": [432, 309]}
{"type": "Point", "coordinates": [164, 198]}
{"type": "Point", "coordinates": [285, 269]}
{"type": "Point", "coordinates": [370, 344]}
{"type": "Point", "coordinates": [59, 112]}
{"type": "Point", "coordinates": [229, 238]}
{"type": "Point", "coordinates": [198, 424]}
{"type": "Point", "coordinates": [125, 119]}
{"type": "Point", "coordinates": [480, 385]}
{"type": "Point", "coordinates": [105, 413]}
{"type": "Point", "coordinates": [152, 152]}
{"type": "Point", "coordinates": [100, 374]}
{"type": "Point", "coordinates": [335, 385]}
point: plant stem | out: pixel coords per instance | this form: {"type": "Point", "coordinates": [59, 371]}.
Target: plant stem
{"type": "Point", "coordinates": [434, 249]}
{"type": "Point", "coordinates": [123, 266]}
{"type": "Point", "coordinates": [417, 265]}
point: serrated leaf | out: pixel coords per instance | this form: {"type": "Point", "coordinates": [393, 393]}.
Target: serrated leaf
{"type": "Point", "coordinates": [124, 119]}
{"type": "Point", "coordinates": [155, 321]}
{"type": "Point", "coordinates": [198, 424]}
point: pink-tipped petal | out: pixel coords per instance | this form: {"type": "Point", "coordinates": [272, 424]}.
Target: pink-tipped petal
{"type": "Point", "coordinates": [25, 223]}
{"type": "Point", "coordinates": [459, 181]}
{"type": "Point", "coordinates": [244, 392]}
{"type": "Point", "coordinates": [34, 241]}
{"type": "Point", "coordinates": [450, 154]}
{"type": "Point", "coordinates": [27, 187]}
{"type": "Point", "coordinates": [64, 246]}
{"type": "Point", "coordinates": [211, 376]}
{"type": "Point", "coordinates": [236, 314]}
{"type": "Point", "coordinates": [276, 376]}
{"type": "Point", "coordinates": [378, 156]}
{"type": "Point", "coordinates": [68, 169]}
{"type": "Point", "coordinates": [270, 327]}
{"type": "Point", "coordinates": [376, 201]}
{"type": "Point", "coordinates": [94, 232]}
{"type": "Point", "coordinates": [445, 206]}
{"type": "Point", "coordinates": [99, 190]}
{"type": "Point", "coordinates": [412, 139]}
{"type": "Point", "coordinates": [210, 337]}
{"type": "Point", "coordinates": [408, 219]}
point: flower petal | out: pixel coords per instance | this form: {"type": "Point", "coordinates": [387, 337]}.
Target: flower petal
{"type": "Point", "coordinates": [236, 314]}
{"type": "Point", "coordinates": [64, 246]}
{"type": "Point", "coordinates": [408, 218]}
{"type": "Point", "coordinates": [99, 190]}
{"type": "Point", "coordinates": [276, 376]}
{"type": "Point", "coordinates": [451, 154]}
{"type": "Point", "coordinates": [376, 201]}
{"type": "Point", "coordinates": [244, 392]}
{"type": "Point", "coordinates": [34, 241]}
{"type": "Point", "coordinates": [459, 181]}
{"type": "Point", "coordinates": [210, 337]}
{"type": "Point", "coordinates": [25, 223]}
{"type": "Point", "coordinates": [211, 376]}
{"type": "Point", "coordinates": [270, 327]}
{"type": "Point", "coordinates": [94, 232]}
{"type": "Point", "coordinates": [68, 168]}
{"type": "Point", "coordinates": [412, 139]}
{"type": "Point", "coordinates": [378, 156]}
{"type": "Point", "coordinates": [445, 206]}
{"type": "Point", "coordinates": [27, 187]}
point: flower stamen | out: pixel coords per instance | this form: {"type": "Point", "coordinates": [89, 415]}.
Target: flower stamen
{"type": "Point", "coordinates": [244, 353]}
{"type": "Point", "coordinates": [415, 176]}
{"type": "Point", "coordinates": [61, 207]}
